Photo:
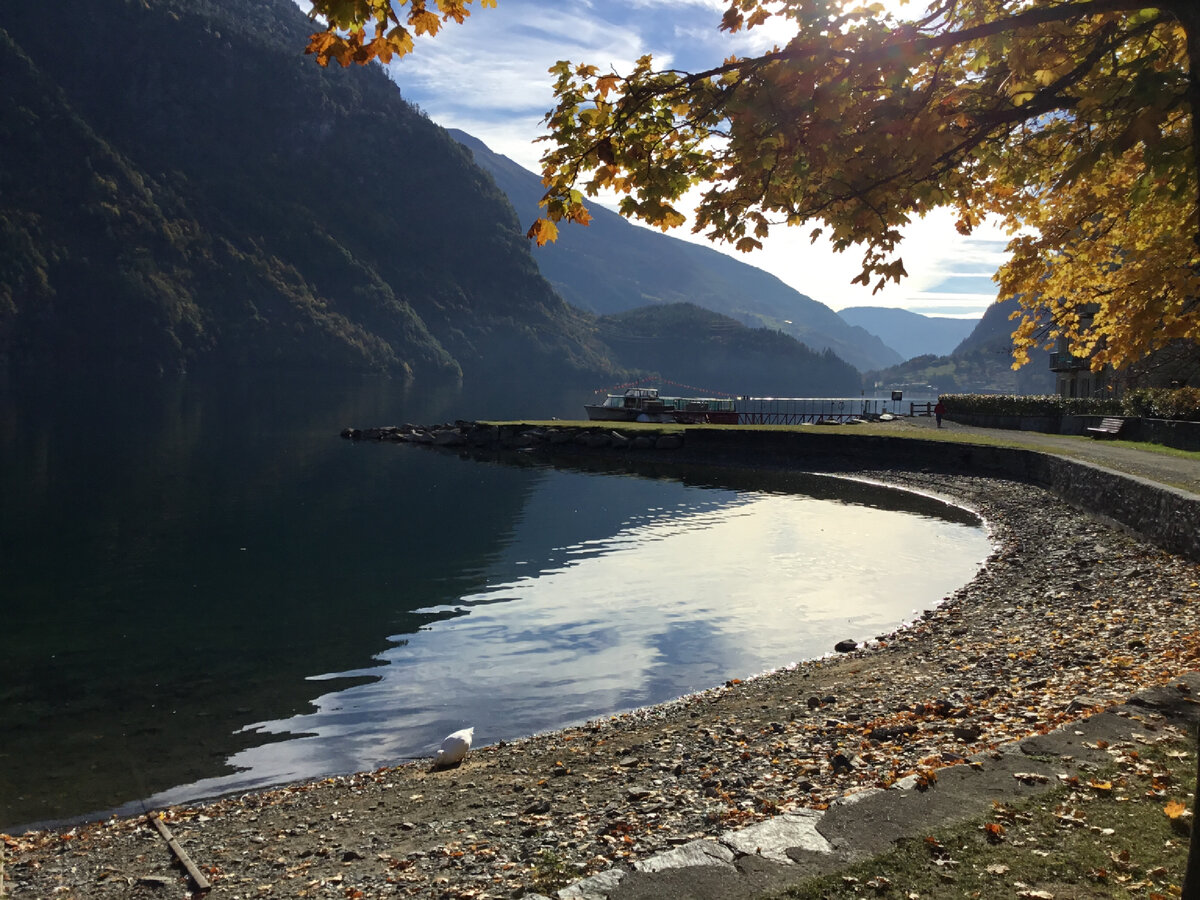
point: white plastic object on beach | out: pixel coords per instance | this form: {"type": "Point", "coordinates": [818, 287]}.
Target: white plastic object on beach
{"type": "Point", "coordinates": [454, 748]}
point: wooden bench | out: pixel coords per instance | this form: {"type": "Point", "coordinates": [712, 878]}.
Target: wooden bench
{"type": "Point", "coordinates": [1109, 427]}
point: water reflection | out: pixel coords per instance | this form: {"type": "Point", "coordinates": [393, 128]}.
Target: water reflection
{"type": "Point", "coordinates": [179, 557]}
{"type": "Point", "coordinates": [679, 597]}
{"type": "Point", "coordinates": [181, 561]}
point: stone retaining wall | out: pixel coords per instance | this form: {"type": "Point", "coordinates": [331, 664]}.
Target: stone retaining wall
{"type": "Point", "coordinates": [1166, 516]}
{"type": "Point", "coordinates": [1165, 432]}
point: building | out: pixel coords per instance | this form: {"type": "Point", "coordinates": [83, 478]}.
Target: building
{"type": "Point", "coordinates": [1073, 375]}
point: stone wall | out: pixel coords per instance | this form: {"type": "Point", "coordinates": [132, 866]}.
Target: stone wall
{"type": "Point", "coordinates": [1165, 432]}
{"type": "Point", "coordinates": [1166, 516]}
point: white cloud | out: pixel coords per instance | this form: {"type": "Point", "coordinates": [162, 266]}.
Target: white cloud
{"type": "Point", "coordinates": [489, 77]}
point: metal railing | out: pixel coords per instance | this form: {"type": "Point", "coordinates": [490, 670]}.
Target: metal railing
{"type": "Point", "coordinates": [1065, 362]}
{"type": "Point", "coordinates": [808, 410]}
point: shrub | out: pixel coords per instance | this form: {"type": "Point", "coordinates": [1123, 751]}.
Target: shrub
{"type": "Point", "coordinates": [1031, 405]}
{"type": "Point", "coordinates": [1163, 403]}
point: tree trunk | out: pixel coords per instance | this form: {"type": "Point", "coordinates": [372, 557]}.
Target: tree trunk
{"type": "Point", "coordinates": [1189, 17]}
{"type": "Point", "coordinates": [1191, 875]}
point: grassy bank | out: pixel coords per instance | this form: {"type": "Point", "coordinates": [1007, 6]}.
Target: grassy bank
{"type": "Point", "coordinates": [1121, 832]}
{"type": "Point", "coordinates": [898, 428]}
{"type": "Point", "coordinates": [1166, 465]}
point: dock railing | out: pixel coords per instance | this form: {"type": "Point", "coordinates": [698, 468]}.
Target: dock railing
{"type": "Point", "coordinates": [809, 410]}
{"type": "Point", "coordinates": [921, 409]}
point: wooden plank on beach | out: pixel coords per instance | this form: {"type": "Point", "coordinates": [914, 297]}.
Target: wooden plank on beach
{"type": "Point", "coordinates": [197, 876]}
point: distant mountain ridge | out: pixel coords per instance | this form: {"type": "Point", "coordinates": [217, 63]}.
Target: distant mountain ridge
{"type": "Point", "coordinates": [909, 333]}
{"type": "Point", "coordinates": [981, 363]}
{"type": "Point", "coordinates": [697, 346]}
{"type": "Point", "coordinates": [613, 265]}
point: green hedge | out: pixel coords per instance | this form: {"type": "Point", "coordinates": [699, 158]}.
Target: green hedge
{"type": "Point", "coordinates": [1030, 405]}
{"type": "Point", "coordinates": [1151, 403]}
{"type": "Point", "coordinates": [1164, 403]}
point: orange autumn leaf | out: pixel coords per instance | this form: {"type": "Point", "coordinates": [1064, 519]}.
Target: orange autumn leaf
{"type": "Point", "coordinates": [543, 231]}
{"type": "Point", "coordinates": [1174, 809]}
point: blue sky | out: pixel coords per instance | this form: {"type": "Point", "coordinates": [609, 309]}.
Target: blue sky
{"type": "Point", "coordinates": [489, 77]}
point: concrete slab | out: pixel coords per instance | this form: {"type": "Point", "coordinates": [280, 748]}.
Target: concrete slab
{"type": "Point", "coordinates": [773, 838]}
{"type": "Point", "coordinates": [598, 887]}
{"type": "Point", "coordinates": [767, 856]}
{"type": "Point", "coordinates": [697, 853]}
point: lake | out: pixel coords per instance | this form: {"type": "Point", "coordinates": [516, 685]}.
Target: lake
{"type": "Point", "coordinates": [207, 590]}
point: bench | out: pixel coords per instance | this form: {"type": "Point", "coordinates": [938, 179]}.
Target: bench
{"type": "Point", "coordinates": [1109, 427]}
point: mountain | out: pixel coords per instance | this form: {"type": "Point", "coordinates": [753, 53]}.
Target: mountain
{"type": "Point", "coordinates": [181, 189]}
{"type": "Point", "coordinates": [613, 265]}
{"type": "Point", "coordinates": [699, 347]}
{"type": "Point", "coordinates": [910, 333]}
{"type": "Point", "coordinates": [981, 363]}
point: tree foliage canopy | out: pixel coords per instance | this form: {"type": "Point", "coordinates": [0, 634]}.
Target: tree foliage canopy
{"type": "Point", "coordinates": [345, 36]}
{"type": "Point", "coordinates": [1068, 121]}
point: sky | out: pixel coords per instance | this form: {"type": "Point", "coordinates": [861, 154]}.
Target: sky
{"type": "Point", "coordinates": [489, 78]}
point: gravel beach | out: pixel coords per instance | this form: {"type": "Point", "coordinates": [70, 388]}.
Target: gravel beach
{"type": "Point", "coordinates": [1067, 616]}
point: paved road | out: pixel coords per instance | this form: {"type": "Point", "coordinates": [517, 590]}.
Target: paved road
{"type": "Point", "coordinates": [1177, 471]}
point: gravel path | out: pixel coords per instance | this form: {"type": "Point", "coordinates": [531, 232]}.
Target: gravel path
{"type": "Point", "coordinates": [1165, 468]}
{"type": "Point", "coordinates": [1066, 616]}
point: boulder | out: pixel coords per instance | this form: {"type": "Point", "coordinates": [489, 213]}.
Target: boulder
{"type": "Point", "coordinates": [449, 437]}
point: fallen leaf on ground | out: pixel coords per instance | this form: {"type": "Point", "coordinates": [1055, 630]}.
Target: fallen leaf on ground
{"type": "Point", "coordinates": [1031, 778]}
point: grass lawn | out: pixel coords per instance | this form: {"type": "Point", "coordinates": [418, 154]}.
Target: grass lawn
{"type": "Point", "coordinates": [1123, 831]}
{"type": "Point", "coordinates": [896, 429]}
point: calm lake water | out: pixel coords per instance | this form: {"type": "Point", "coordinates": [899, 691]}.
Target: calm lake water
{"type": "Point", "coordinates": [205, 589]}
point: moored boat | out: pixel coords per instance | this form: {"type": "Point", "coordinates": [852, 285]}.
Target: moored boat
{"type": "Point", "coordinates": [646, 405]}
{"type": "Point", "coordinates": [641, 404]}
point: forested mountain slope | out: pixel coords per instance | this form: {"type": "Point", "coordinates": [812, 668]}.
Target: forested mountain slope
{"type": "Point", "coordinates": [716, 353]}
{"type": "Point", "coordinates": [612, 266]}
{"type": "Point", "coordinates": [982, 363]}
{"type": "Point", "coordinates": [181, 188]}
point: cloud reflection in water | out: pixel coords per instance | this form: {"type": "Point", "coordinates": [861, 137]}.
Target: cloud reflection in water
{"type": "Point", "coordinates": [678, 599]}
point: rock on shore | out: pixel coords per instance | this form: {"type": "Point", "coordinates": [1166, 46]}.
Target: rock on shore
{"type": "Point", "coordinates": [516, 437]}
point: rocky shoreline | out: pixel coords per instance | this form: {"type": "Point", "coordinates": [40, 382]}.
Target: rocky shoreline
{"type": "Point", "coordinates": [1067, 616]}
{"type": "Point", "coordinates": [484, 435]}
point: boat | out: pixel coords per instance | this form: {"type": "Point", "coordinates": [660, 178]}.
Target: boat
{"type": "Point", "coordinates": [645, 405]}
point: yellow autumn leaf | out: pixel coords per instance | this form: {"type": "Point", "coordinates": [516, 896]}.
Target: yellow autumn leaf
{"type": "Point", "coordinates": [605, 84]}
{"type": "Point", "coordinates": [1175, 809]}
{"type": "Point", "coordinates": [543, 231]}
{"type": "Point", "coordinates": [425, 22]}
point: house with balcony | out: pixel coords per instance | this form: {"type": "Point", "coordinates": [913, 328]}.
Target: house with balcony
{"type": "Point", "coordinates": [1175, 365]}
{"type": "Point", "coordinates": [1073, 376]}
